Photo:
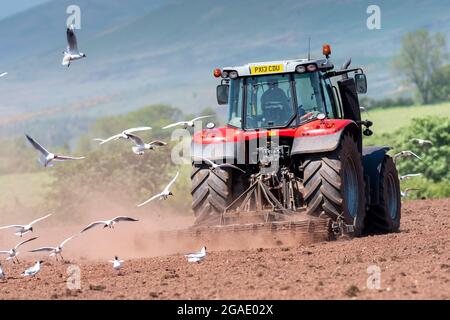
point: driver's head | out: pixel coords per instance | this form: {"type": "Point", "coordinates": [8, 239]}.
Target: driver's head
{"type": "Point", "coordinates": [273, 84]}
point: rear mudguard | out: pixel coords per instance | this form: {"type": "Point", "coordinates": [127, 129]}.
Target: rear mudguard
{"type": "Point", "coordinates": [372, 159]}
{"type": "Point", "coordinates": [322, 137]}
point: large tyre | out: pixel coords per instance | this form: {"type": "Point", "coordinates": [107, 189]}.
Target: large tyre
{"type": "Point", "coordinates": [334, 185]}
{"type": "Point", "coordinates": [385, 217]}
{"type": "Point", "coordinates": [211, 193]}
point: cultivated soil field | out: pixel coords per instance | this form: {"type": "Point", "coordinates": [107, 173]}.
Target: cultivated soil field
{"type": "Point", "coordinates": [413, 264]}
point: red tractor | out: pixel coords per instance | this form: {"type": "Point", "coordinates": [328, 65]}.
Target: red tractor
{"type": "Point", "coordinates": [293, 147]}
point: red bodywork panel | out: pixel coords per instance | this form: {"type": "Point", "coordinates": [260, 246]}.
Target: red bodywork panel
{"type": "Point", "coordinates": [310, 129]}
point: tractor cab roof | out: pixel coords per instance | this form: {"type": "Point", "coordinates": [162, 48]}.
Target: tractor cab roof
{"type": "Point", "coordinates": [273, 67]}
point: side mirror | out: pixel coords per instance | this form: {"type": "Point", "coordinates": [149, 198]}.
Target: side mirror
{"type": "Point", "coordinates": [222, 93]}
{"type": "Point", "coordinates": [361, 83]}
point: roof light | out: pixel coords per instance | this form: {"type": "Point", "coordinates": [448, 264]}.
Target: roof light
{"type": "Point", "coordinates": [326, 50]}
{"type": "Point", "coordinates": [233, 74]}
{"type": "Point", "coordinates": [224, 74]}
{"type": "Point", "coordinates": [311, 67]}
{"type": "Point", "coordinates": [300, 69]}
{"type": "Point", "coordinates": [217, 73]}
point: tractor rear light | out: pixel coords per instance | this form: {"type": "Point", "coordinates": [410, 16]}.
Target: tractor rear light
{"type": "Point", "coordinates": [311, 67]}
{"type": "Point", "coordinates": [217, 73]}
{"type": "Point", "coordinates": [300, 69]}
{"type": "Point", "coordinates": [224, 74]}
{"type": "Point", "coordinates": [233, 74]}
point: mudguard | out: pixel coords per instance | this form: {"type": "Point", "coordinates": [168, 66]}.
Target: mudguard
{"type": "Point", "coordinates": [320, 136]}
{"type": "Point", "coordinates": [372, 160]}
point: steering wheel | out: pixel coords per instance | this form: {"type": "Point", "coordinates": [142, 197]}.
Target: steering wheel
{"type": "Point", "coordinates": [309, 115]}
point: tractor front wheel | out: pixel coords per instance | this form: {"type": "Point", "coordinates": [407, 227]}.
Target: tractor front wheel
{"type": "Point", "coordinates": [385, 217]}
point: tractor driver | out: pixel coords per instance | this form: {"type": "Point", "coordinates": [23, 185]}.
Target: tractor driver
{"type": "Point", "coordinates": [275, 104]}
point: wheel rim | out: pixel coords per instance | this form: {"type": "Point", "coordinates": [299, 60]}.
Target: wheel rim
{"type": "Point", "coordinates": [351, 188]}
{"type": "Point", "coordinates": [392, 197]}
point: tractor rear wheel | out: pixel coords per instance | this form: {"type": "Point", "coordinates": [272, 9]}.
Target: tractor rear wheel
{"type": "Point", "coordinates": [211, 192]}
{"type": "Point", "coordinates": [334, 185]}
{"type": "Point", "coordinates": [385, 217]}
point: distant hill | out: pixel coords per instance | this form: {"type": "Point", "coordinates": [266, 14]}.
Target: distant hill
{"type": "Point", "coordinates": [143, 52]}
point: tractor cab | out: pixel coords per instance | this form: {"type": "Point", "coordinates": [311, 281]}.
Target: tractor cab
{"type": "Point", "coordinates": [287, 94]}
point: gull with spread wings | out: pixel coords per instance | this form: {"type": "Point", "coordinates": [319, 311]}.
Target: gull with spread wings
{"type": "Point", "coordinates": [24, 228]}
{"type": "Point", "coordinates": [140, 146]}
{"type": "Point", "coordinates": [164, 194]}
{"type": "Point", "coordinates": [71, 53]}
{"type": "Point", "coordinates": [13, 253]}
{"type": "Point", "coordinates": [108, 223]}
{"type": "Point", "coordinates": [123, 135]}
{"type": "Point", "coordinates": [46, 156]}
{"type": "Point", "coordinates": [55, 251]}
{"type": "Point", "coordinates": [188, 123]}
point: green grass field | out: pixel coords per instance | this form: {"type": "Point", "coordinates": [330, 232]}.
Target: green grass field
{"type": "Point", "coordinates": [389, 120]}
{"type": "Point", "coordinates": [23, 190]}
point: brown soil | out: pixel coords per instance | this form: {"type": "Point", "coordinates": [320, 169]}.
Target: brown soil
{"type": "Point", "coordinates": [414, 264]}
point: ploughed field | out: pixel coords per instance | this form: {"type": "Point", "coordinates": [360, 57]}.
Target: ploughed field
{"type": "Point", "coordinates": [412, 264]}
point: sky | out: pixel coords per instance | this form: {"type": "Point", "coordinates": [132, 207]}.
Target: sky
{"type": "Point", "coordinates": [11, 7]}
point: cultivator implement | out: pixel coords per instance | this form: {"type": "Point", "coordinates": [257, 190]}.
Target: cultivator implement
{"type": "Point", "coordinates": [258, 218]}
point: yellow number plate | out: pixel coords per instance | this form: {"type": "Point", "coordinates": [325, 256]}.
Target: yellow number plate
{"type": "Point", "coordinates": [271, 68]}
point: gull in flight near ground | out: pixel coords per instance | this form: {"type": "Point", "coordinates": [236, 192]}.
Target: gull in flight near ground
{"type": "Point", "coordinates": [71, 53]}
{"type": "Point", "coordinates": [123, 135]}
{"type": "Point", "coordinates": [197, 256]}
{"type": "Point", "coordinates": [215, 166]}
{"type": "Point", "coordinates": [22, 229]}
{"type": "Point", "coordinates": [108, 223]}
{"type": "Point", "coordinates": [185, 124]}
{"type": "Point", "coordinates": [55, 251]}
{"type": "Point", "coordinates": [32, 271]}
{"type": "Point", "coordinates": [405, 154]}
{"type": "Point", "coordinates": [2, 274]}
{"type": "Point", "coordinates": [422, 142]}
{"type": "Point", "coordinates": [140, 147]}
{"type": "Point", "coordinates": [407, 191]}
{"type": "Point", "coordinates": [47, 157]}
{"type": "Point", "coordinates": [13, 253]}
{"type": "Point", "coordinates": [3, 74]}
{"type": "Point", "coordinates": [164, 194]}
{"type": "Point", "coordinates": [408, 176]}
{"type": "Point", "coordinates": [117, 264]}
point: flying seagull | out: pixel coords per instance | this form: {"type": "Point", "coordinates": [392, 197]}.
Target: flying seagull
{"type": "Point", "coordinates": [22, 229]}
{"type": "Point", "coordinates": [140, 147]}
{"type": "Point", "coordinates": [47, 157]}
{"type": "Point", "coordinates": [408, 176]}
{"type": "Point", "coordinates": [405, 154]}
{"type": "Point", "coordinates": [71, 53]}
{"type": "Point", "coordinates": [123, 135]}
{"type": "Point", "coordinates": [33, 270]}
{"type": "Point", "coordinates": [3, 74]}
{"type": "Point", "coordinates": [197, 256]}
{"type": "Point", "coordinates": [117, 264]}
{"type": "Point", "coordinates": [108, 223]}
{"type": "Point", "coordinates": [422, 142]}
{"type": "Point", "coordinates": [13, 253]}
{"type": "Point", "coordinates": [164, 194]}
{"type": "Point", "coordinates": [185, 124]}
{"type": "Point", "coordinates": [55, 251]}
{"type": "Point", "coordinates": [407, 191]}
{"type": "Point", "coordinates": [215, 166]}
